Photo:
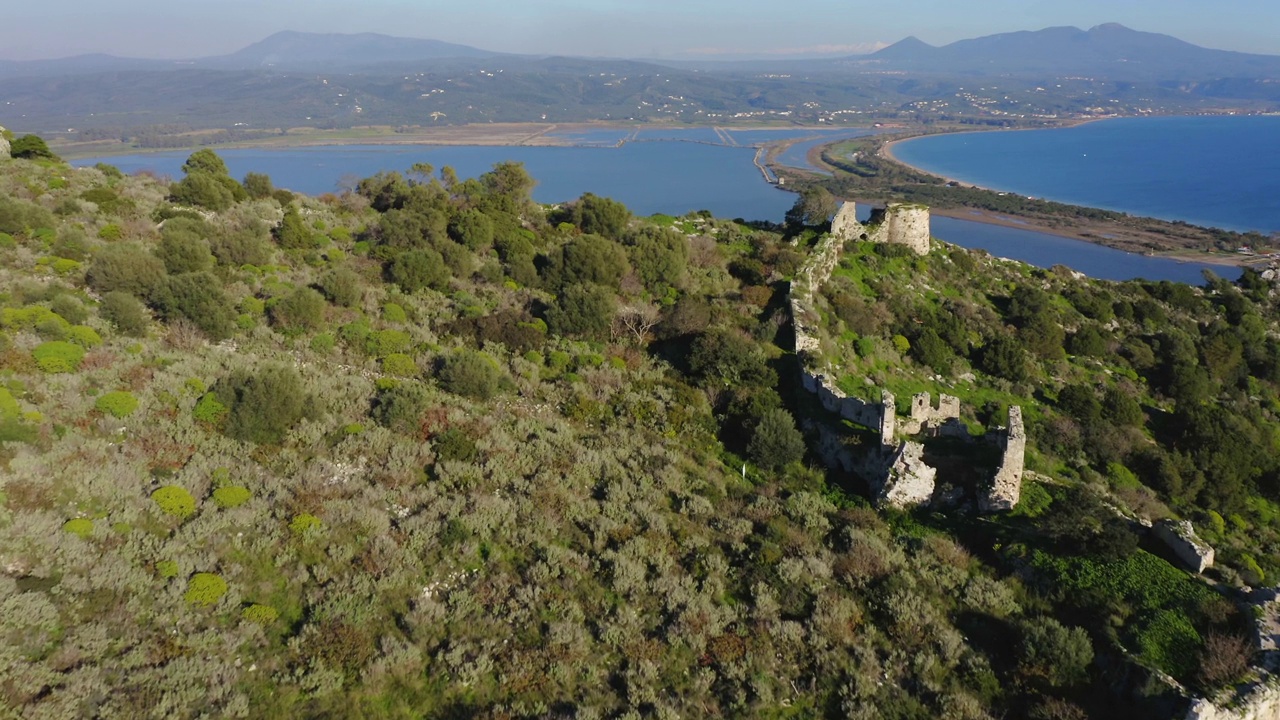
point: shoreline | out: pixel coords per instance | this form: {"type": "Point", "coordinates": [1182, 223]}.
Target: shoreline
{"type": "Point", "coordinates": [487, 135]}
{"type": "Point", "coordinates": [1081, 230]}
{"type": "Point", "coordinates": [987, 217]}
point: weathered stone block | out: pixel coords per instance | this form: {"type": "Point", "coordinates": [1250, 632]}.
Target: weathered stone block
{"type": "Point", "coordinates": [1181, 537]}
{"type": "Point", "coordinates": [910, 480]}
{"type": "Point", "coordinates": [1006, 486]}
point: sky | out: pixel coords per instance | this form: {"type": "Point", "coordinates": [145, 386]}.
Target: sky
{"type": "Point", "coordinates": [710, 29]}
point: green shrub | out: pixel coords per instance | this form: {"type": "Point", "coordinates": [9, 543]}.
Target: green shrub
{"type": "Point", "coordinates": [386, 342]}
{"type": "Point", "coordinates": [117, 403]}
{"type": "Point", "coordinates": [58, 356]}
{"type": "Point", "coordinates": [167, 569]}
{"type": "Point", "coordinates": [111, 232]}
{"type": "Point", "coordinates": [262, 406]}
{"type": "Point", "coordinates": [82, 527]}
{"type": "Point", "coordinates": [84, 336]}
{"type": "Point", "coordinates": [210, 410]}
{"type": "Point", "coordinates": [229, 496]}
{"type": "Point", "coordinates": [260, 614]}
{"type": "Point", "coordinates": [69, 309]}
{"type": "Point", "coordinates": [776, 442]}
{"type": "Point", "coordinates": [302, 309]}
{"type": "Point", "coordinates": [394, 312]}
{"type": "Point", "coordinates": [400, 365]}
{"type": "Point", "coordinates": [471, 374]}
{"type": "Point", "coordinates": [205, 589]}
{"type": "Point", "coordinates": [126, 312]}
{"type": "Point", "coordinates": [400, 407]}
{"type": "Point", "coordinates": [175, 500]}
{"type": "Point", "coordinates": [304, 523]}
{"type": "Point", "coordinates": [323, 343]}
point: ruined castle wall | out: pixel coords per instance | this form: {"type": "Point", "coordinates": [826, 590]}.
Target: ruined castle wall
{"type": "Point", "coordinates": [910, 480]}
{"type": "Point", "coordinates": [944, 419]}
{"type": "Point", "coordinates": [1260, 701]}
{"type": "Point", "coordinates": [888, 422]}
{"type": "Point", "coordinates": [845, 224]}
{"type": "Point", "coordinates": [1006, 487]}
{"type": "Point", "coordinates": [4, 145]}
{"type": "Point", "coordinates": [1181, 537]}
{"type": "Point", "coordinates": [901, 225]}
{"type": "Point", "coordinates": [804, 290]}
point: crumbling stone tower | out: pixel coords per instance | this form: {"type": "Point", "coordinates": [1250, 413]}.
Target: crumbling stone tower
{"type": "Point", "coordinates": [897, 223]}
{"type": "Point", "coordinates": [1006, 487]}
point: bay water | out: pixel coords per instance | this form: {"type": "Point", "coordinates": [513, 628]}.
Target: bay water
{"type": "Point", "coordinates": [1217, 171]}
{"type": "Point", "coordinates": [678, 171]}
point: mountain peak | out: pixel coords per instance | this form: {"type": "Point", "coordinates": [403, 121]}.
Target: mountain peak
{"type": "Point", "coordinates": [1109, 27]}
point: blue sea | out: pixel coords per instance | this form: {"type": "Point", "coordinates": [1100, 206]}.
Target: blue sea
{"type": "Point", "coordinates": [1221, 171]}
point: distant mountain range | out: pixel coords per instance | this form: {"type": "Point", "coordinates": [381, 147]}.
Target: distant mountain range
{"type": "Point", "coordinates": [1112, 52]}
{"type": "Point", "coordinates": [320, 52]}
{"type": "Point", "coordinates": [296, 79]}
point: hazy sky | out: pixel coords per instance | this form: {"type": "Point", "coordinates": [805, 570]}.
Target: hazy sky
{"type": "Point", "coordinates": [629, 28]}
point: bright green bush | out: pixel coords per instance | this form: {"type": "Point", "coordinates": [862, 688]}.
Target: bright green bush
{"type": "Point", "coordinates": [230, 496]}
{"type": "Point", "coordinates": [167, 569]}
{"type": "Point", "coordinates": [117, 403]}
{"type": "Point", "coordinates": [400, 365]}
{"type": "Point", "coordinates": [82, 527]}
{"type": "Point", "coordinates": [386, 342]}
{"type": "Point", "coordinates": [210, 410]}
{"type": "Point", "coordinates": [304, 523]}
{"type": "Point", "coordinates": [393, 312]}
{"type": "Point", "coordinates": [174, 500]}
{"type": "Point", "coordinates": [57, 356]}
{"type": "Point", "coordinates": [9, 409]}
{"type": "Point", "coordinates": [205, 589]}
{"type": "Point", "coordinates": [260, 614]}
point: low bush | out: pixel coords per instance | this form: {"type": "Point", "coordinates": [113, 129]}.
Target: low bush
{"type": "Point", "coordinates": [176, 501]}
{"type": "Point", "coordinates": [58, 356]}
{"type": "Point", "coordinates": [205, 589]}
{"type": "Point", "coordinates": [229, 496]}
{"type": "Point", "coordinates": [118, 403]}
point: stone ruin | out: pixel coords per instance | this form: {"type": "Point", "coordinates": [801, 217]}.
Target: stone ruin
{"type": "Point", "coordinates": [897, 223]}
{"type": "Point", "coordinates": [1181, 538]}
{"type": "Point", "coordinates": [897, 472]}
{"type": "Point", "coordinates": [1006, 486]}
{"type": "Point", "coordinates": [4, 145]}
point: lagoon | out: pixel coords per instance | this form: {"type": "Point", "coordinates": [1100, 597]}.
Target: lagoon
{"type": "Point", "coordinates": [672, 175]}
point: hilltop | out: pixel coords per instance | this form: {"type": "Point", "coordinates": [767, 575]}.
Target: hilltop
{"type": "Point", "coordinates": [429, 448]}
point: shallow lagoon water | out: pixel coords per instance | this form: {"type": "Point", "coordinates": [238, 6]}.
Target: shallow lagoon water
{"type": "Point", "coordinates": [663, 176]}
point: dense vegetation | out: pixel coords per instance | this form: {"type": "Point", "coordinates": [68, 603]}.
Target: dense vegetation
{"type": "Point", "coordinates": [431, 449]}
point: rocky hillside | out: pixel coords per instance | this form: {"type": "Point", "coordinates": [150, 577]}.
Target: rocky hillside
{"type": "Point", "coordinates": [432, 449]}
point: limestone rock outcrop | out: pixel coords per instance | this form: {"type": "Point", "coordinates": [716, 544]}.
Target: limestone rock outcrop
{"type": "Point", "coordinates": [897, 223]}
{"type": "Point", "coordinates": [1181, 537]}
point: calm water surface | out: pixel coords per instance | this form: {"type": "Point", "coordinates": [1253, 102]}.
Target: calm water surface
{"type": "Point", "coordinates": [1215, 171]}
{"type": "Point", "coordinates": [670, 175]}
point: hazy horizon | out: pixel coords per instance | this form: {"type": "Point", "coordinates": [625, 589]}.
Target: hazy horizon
{"type": "Point", "coordinates": [617, 28]}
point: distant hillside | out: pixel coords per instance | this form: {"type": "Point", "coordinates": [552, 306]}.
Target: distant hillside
{"type": "Point", "coordinates": [1107, 51]}
{"type": "Point", "coordinates": [323, 52]}
{"type": "Point", "coordinates": [336, 51]}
